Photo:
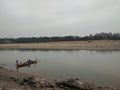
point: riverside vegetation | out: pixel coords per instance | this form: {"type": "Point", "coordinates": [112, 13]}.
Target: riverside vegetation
{"type": "Point", "coordinates": [98, 36]}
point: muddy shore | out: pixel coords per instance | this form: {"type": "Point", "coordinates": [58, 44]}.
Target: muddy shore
{"type": "Point", "coordinates": [12, 80]}
{"type": "Point", "coordinates": [70, 45]}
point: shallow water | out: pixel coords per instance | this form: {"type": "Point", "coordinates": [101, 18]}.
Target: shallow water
{"type": "Point", "coordinates": [102, 67]}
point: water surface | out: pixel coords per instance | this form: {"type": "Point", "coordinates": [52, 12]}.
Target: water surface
{"type": "Point", "coordinates": [102, 67]}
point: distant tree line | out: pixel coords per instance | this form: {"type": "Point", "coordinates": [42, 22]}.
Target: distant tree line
{"type": "Point", "coordinates": [97, 36]}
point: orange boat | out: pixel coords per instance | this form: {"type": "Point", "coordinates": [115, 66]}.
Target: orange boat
{"type": "Point", "coordinates": [26, 63]}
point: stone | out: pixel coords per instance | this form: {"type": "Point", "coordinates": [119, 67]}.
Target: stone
{"type": "Point", "coordinates": [74, 83]}
{"type": "Point", "coordinates": [25, 80]}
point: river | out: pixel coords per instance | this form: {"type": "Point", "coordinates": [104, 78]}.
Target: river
{"type": "Point", "coordinates": [101, 67]}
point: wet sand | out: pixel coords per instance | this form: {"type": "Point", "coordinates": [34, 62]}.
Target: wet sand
{"type": "Point", "coordinates": [70, 45]}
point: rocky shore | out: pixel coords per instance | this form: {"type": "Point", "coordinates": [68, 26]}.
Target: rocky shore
{"type": "Point", "coordinates": [12, 80]}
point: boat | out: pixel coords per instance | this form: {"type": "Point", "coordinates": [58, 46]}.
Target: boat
{"type": "Point", "coordinates": [26, 63]}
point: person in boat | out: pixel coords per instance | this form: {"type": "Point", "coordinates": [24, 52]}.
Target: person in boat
{"type": "Point", "coordinates": [28, 60]}
{"type": "Point", "coordinates": [16, 61]}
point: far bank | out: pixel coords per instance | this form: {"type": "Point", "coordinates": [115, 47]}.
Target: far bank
{"type": "Point", "coordinates": [69, 45]}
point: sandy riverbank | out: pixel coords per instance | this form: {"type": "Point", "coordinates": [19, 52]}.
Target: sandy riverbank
{"type": "Point", "coordinates": [70, 45]}
{"type": "Point", "coordinates": [12, 80]}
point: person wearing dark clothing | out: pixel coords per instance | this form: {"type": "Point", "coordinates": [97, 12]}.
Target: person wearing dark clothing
{"type": "Point", "coordinates": [17, 61]}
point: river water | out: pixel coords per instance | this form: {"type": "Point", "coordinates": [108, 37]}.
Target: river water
{"type": "Point", "coordinates": [101, 67]}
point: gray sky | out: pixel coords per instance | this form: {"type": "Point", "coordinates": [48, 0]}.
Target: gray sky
{"type": "Point", "coordinates": [34, 18]}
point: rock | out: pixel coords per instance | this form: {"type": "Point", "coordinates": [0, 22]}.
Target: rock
{"type": "Point", "coordinates": [21, 83]}
{"type": "Point", "coordinates": [39, 83]}
{"type": "Point", "coordinates": [14, 78]}
{"type": "Point", "coordinates": [65, 88]}
{"type": "Point", "coordinates": [31, 81]}
{"type": "Point", "coordinates": [99, 88]}
{"type": "Point", "coordinates": [25, 80]}
{"type": "Point", "coordinates": [75, 83]}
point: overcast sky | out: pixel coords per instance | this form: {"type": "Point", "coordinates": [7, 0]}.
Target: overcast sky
{"type": "Point", "coordinates": [34, 18]}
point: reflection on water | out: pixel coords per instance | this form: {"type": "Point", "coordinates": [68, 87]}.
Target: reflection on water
{"type": "Point", "coordinates": [29, 66]}
{"type": "Point", "coordinates": [94, 66]}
